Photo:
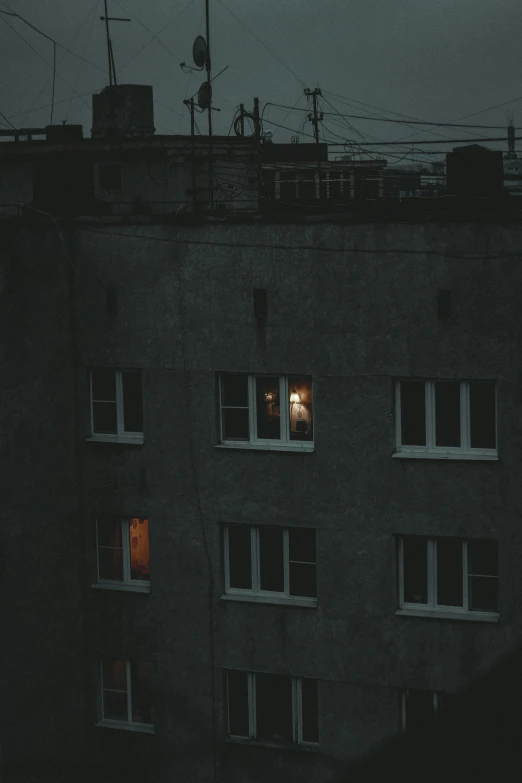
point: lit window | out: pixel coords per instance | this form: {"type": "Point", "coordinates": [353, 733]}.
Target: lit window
{"type": "Point", "coordinates": [446, 418]}
{"type": "Point", "coordinates": [116, 404]}
{"type": "Point", "coordinates": [127, 693]}
{"type": "Point", "coordinates": [123, 551]}
{"type": "Point", "coordinates": [270, 561]}
{"type": "Point", "coordinates": [448, 574]}
{"type": "Point", "coordinates": [268, 410]}
{"type": "Point", "coordinates": [272, 708]}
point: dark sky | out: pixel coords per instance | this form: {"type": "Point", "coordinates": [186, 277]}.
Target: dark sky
{"type": "Point", "coordinates": [432, 59]}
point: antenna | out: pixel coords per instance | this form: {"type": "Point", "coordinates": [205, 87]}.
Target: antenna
{"type": "Point", "coordinates": [110, 53]}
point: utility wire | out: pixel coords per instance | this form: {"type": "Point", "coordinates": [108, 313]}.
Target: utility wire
{"type": "Point", "coordinates": [279, 60]}
{"type": "Point", "coordinates": [122, 5]}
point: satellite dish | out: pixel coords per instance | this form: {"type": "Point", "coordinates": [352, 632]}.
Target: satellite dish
{"type": "Point", "coordinates": [199, 51]}
{"type": "Point", "coordinates": [204, 95]}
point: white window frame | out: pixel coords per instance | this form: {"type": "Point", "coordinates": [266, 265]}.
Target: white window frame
{"type": "Point", "coordinates": [146, 728]}
{"type": "Point", "coordinates": [430, 449]}
{"type": "Point", "coordinates": [121, 435]}
{"type": "Point", "coordinates": [297, 713]}
{"type": "Point", "coordinates": [432, 607]}
{"type": "Point", "coordinates": [284, 443]}
{"type": "Point", "coordinates": [436, 704]}
{"type": "Point", "coordinates": [131, 585]}
{"type": "Point", "coordinates": [255, 593]}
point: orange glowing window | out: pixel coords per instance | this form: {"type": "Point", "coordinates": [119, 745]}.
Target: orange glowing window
{"type": "Point", "coordinates": [123, 550]}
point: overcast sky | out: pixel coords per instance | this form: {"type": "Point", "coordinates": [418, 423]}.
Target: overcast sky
{"type": "Point", "coordinates": [436, 60]}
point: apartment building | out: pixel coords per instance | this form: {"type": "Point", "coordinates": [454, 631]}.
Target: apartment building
{"type": "Point", "coordinates": [261, 485]}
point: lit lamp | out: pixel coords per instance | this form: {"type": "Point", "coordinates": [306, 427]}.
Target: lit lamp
{"type": "Point", "coordinates": [300, 423]}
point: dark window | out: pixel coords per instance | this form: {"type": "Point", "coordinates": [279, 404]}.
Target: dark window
{"type": "Point", "coordinates": [419, 708]}
{"type": "Point", "coordinates": [482, 415]}
{"type": "Point", "coordinates": [234, 407]}
{"type": "Point", "coordinates": [271, 559]}
{"type": "Point", "coordinates": [239, 557]}
{"type": "Point", "coordinates": [413, 413]}
{"type": "Point", "coordinates": [483, 575]}
{"type": "Point", "coordinates": [132, 402]}
{"type": "Point", "coordinates": [274, 707]}
{"type": "Point", "coordinates": [415, 570]}
{"type": "Point", "coordinates": [237, 698]}
{"type": "Point", "coordinates": [110, 176]}
{"type": "Point", "coordinates": [115, 689]}
{"type": "Point", "coordinates": [447, 413]}
{"type": "Point", "coordinates": [110, 552]}
{"type": "Point", "coordinates": [444, 305]}
{"type": "Point", "coordinates": [142, 691]}
{"type": "Point", "coordinates": [260, 302]}
{"type": "Point", "coordinates": [302, 565]}
{"type": "Point", "coordinates": [310, 710]}
{"type": "Point", "coordinates": [449, 572]}
{"type": "Point", "coordinates": [268, 408]}
{"type": "Point", "coordinates": [104, 401]}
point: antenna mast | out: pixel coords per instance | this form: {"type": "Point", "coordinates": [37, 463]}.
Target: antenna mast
{"type": "Point", "coordinates": [209, 108]}
{"type": "Point", "coordinates": [110, 53]}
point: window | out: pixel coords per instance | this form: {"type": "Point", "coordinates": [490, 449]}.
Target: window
{"type": "Point", "coordinates": [272, 708]}
{"type": "Point", "coordinates": [418, 707]}
{"type": "Point", "coordinates": [446, 418]}
{"type": "Point", "coordinates": [449, 575]}
{"type": "Point", "coordinates": [126, 694]}
{"type": "Point", "coordinates": [116, 405]}
{"type": "Point", "coordinates": [270, 562]}
{"type": "Point", "coordinates": [123, 552]}
{"type": "Point", "coordinates": [270, 411]}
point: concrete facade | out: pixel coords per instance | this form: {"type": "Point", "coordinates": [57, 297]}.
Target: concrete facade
{"type": "Point", "coordinates": [354, 306]}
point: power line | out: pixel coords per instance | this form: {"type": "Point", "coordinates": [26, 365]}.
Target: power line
{"type": "Point", "coordinates": [148, 30]}
{"type": "Point", "coordinates": [279, 60]}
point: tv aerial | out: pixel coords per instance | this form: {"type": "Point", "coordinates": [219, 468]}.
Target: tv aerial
{"type": "Point", "coordinates": [205, 95]}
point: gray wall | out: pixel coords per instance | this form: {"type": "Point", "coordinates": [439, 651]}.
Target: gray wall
{"type": "Point", "coordinates": [355, 306]}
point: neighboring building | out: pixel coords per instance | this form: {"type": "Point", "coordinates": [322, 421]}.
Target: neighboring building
{"type": "Point", "coordinates": [262, 498]}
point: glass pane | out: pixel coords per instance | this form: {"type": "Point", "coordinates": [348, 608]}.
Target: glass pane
{"type": "Point", "coordinates": [447, 413]}
{"type": "Point", "coordinates": [268, 408]}
{"type": "Point", "coordinates": [449, 572]}
{"type": "Point", "coordinates": [139, 548]}
{"type": "Point", "coordinates": [103, 385]}
{"type": "Point", "coordinates": [483, 592]}
{"type": "Point", "coordinates": [239, 557]}
{"type": "Point", "coordinates": [271, 566]}
{"type": "Point", "coordinates": [115, 705]}
{"type": "Point", "coordinates": [413, 413]}
{"type": "Point", "coordinates": [274, 707]}
{"type": "Point", "coordinates": [300, 415]}
{"type": "Point", "coordinates": [104, 417]}
{"type": "Point", "coordinates": [303, 580]}
{"type": "Point", "coordinates": [482, 557]}
{"type": "Point", "coordinates": [110, 564]}
{"type": "Point", "coordinates": [109, 531]}
{"type": "Point", "coordinates": [142, 691]}
{"type": "Point", "coordinates": [235, 424]}
{"type": "Point", "coordinates": [234, 390]}
{"type": "Point", "coordinates": [237, 694]}
{"type": "Point", "coordinates": [418, 708]}
{"type": "Point", "coordinates": [115, 674]}
{"type": "Point", "coordinates": [132, 402]}
{"type": "Point", "coordinates": [415, 559]}
{"type": "Point", "coordinates": [482, 415]}
{"type": "Point", "coordinates": [302, 544]}
{"type": "Point", "coordinates": [310, 714]}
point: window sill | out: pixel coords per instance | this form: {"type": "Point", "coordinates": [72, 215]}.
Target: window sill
{"type": "Point", "coordinates": [299, 447]}
{"type": "Point", "coordinates": [142, 728]}
{"type": "Point", "coordinates": [281, 600]}
{"type": "Point", "coordinates": [122, 587]}
{"type": "Point", "coordinates": [305, 747]}
{"type": "Point", "coordinates": [115, 439]}
{"type": "Point", "coordinates": [450, 455]}
{"type": "Point", "coordinates": [441, 614]}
